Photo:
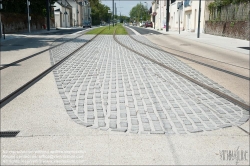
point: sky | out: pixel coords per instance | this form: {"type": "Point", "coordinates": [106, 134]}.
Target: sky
{"type": "Point", "coordinates": [124, 6]}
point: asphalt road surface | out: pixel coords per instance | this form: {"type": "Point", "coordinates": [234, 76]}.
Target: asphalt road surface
{"type": "Point", "coordinates": [144, 31]}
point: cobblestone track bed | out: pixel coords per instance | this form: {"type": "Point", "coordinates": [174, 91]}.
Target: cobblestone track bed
{"type": "Point", "coordinates": [173, 62]}
{"type": "Point", "coordinates": [109, 87]}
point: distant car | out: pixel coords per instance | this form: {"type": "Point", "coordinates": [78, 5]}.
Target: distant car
{"type": "Point", "coordinates": [142, 24]}
{"type": "Point", "coordinates": [86, 24]}
{"type": "Point", "coordinates": [149, 24]}
{"type": "Point", "coordinates": [134, 24]}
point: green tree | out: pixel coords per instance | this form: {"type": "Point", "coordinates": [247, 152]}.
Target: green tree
{"type": "Point", "coordinates": [20, 6]}
{"type": "Point", "coordinates": [139, 13]}
{"type": "Point", "coordinates": [99, 12]}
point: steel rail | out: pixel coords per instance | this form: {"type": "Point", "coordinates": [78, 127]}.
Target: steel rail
{"type": "Point", "coordinates": [27, 85]}
{"type": "Point", "coordinates": [223, 95]}
{"type": "Point", "coordinates": [40, 52]}
{"type": "Point", "coordinates": [189, 59]}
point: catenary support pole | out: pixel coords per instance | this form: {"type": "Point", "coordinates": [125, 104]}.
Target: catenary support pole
{"type": "Point", "coordinates": [28, 9]}
{"type": "Point", "coordinates": [113, 12]}
{"type": "Point", "coordinates": [47, 10]}
{"type": "Point", "coordinates": [167, 16]}
{"type": "Point", "coordinates": [199, 20]}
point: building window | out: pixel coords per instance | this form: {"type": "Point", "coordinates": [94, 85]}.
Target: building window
{"type": "Point", "coordinates": [172, 1]}
{"type": "Point", "coordinates": [187, 3]}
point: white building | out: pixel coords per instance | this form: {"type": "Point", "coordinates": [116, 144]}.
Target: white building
{"type": "Point", "coordinates": [62, 13]}
{"type": "Point", "coordinates": [76, 17]}
{"type": "Point", "coordinates": [186, 11]}
{"type": "Point", "coordinates": [69, 13]}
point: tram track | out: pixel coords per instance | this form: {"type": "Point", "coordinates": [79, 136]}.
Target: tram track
{"type": "Point", "coordinates": [27, 85]}
{"type": "Point", "coordinates": [213, 90]}
{"type": "Point", "coordinates": [40, 52]}
{"type": "Point", "coordinates": [198, 62]}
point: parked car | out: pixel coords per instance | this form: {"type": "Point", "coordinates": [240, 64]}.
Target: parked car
{"type": "Point", "coordinates": [149, 24]}
{"type": "Point", "coordinates": [86, 24]}
{"type": "Point", "coordinates": [142, 24]}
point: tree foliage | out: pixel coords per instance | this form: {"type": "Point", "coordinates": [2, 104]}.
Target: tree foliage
{"type": "Point", "coordinates": [139, 13]}
{"type": "Point", "coordinates": [217, 4]}
{"type": "Point", "coordinates": [37, 7]}
{"type": "Point", "coordinates": [99, 12]}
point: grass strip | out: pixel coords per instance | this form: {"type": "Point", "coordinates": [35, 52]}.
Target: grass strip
{"type": "Point", "coordinates": [109, 30]}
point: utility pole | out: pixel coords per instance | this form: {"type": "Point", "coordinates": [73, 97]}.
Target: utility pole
{"type": "Point", "coordinates": [179, 21]}
{"type": "Point", "coordinates": [48, 20]}
{"type": "Point", "coordinates": [167, 16]}
{"type": "Point", "coordinates": [199, 19]}
{"type": "Point", "coordinates": [28, 8]}
{"type": "Point", "coordinates": [113, 13]}
{"type": "Point", "coordinates": [160, 16]}
{"type": "Point", "coordinates": [0, 20]}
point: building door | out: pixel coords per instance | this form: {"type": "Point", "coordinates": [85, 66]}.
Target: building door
{"type": "Point", "coordinates": [60, 20]}
{"type": "Point", "coordinates": [188, 25]}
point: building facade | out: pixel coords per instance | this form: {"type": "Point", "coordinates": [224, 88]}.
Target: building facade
{"type": "Point", "coordinates": [70, 13]}
{"type": "Point", "coordinates": [182, 14]}
{"type": "Point", "coordinates": [62, 13]}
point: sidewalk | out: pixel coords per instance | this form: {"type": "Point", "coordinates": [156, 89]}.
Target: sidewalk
{"type": "Point", "coordinates": [218, 41]}
{"type": "Point", "coordinates": [33, 32]}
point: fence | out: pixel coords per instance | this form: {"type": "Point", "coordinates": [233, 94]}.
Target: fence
{"type": "Point", "coordinates": [232, 12]}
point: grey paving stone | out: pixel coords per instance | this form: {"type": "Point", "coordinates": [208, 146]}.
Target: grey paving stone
{"type": "Point", "coordinates": [120, 129]}
{"type": "Point", "coordinates": [101, 124]}
{"type": "Point", "coordinates": [244, 119]}
{"type": "Point", "coordinates": [68, 108]}
{"type": "Point", "coordinates": [91, 116]}
{"type": "Point", "coordinates": [113, 108]}
{"type": "Point", "coordinates": [181, 131]}
{"type": "Point", "coordinates": [146, 127]}
{"type": "Point", "coordinates": [112, 116]}
{"type": "Point", "coordinates": [112, 125]}
{"type": "Point", "coordinates": [193, 130]}
{"type": "Point", "coordinates": [100, 115]}
{"type": "Point", "coordinates": [187, 122]}
{"type": "Point", "coordinates": [144, 120]}
{"type": "Point", "coordinates": [178, 125]}
{"type": "Point", "coordinates": [157, 132]}
{"type": "Point", "coordinates": [90, 102]}
{"type": "Point", "coordinates": [134, 122]}
{"type": "Point", "coordinates": [224, 125]}
{"type": "Point", "coordinates": [196, 120]}
{"type": "Point", "coordinates": [169, 131]}
{"type": "Point", "coordinates": [123, 124]}
{"type": "Point", "coordinates": [123, 115]}
{"type": "Point", "coordinates": [133, 113]}
{"type": "Point", "coordinates": [153, 117]}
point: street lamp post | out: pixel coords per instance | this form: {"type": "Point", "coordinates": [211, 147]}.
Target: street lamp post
{"type": "Point", "coordinates": [167, 16]}
{"type": "Point", "coordinates": [65, 13]}
{"type": "Point", "coordinates": [77, 17]}
{"type": "Point", "coordinates": [48, 17]}
{"type": "Point", "coordinates": [147, 10]}
{"type": "Point", "coordinates": [0, 20]}
{"type": "Point", "coordinates": [28, 4]}
{"type": "Point", "coordinates": [113, 13]}
{"type": "Point", "coordinates": [199, 19]}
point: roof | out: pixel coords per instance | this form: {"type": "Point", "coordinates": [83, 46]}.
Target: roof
{"type": "Point", "coordinates": [64, 3]}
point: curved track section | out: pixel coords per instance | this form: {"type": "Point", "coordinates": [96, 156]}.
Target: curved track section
{"type": "Point", "coordinates": [56, 61]}
{"type": "Point", "coordinates": [110, 87]}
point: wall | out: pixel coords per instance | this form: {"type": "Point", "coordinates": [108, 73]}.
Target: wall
{"type": "Point", "coordinates": [233, 29]}
{"type": "Point", "coordinates": [19, 22]}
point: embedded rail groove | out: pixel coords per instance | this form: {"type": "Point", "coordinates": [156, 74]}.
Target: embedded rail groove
{"type": "Point", "coordinates": [26, 86]}
{"type": "Point", "coordinates": [223, 95]}
{"type": "Point", "coordinates": [192, 60]}
{"type": "Point", "coordinates": [28, 57]}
